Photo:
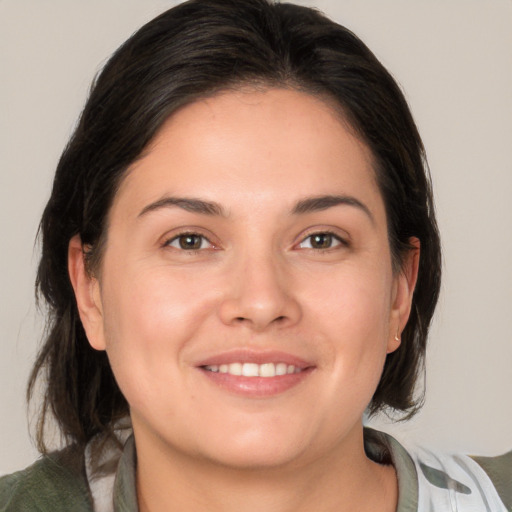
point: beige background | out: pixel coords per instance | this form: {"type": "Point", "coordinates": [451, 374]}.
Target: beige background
{"type": "Point", "coordinates": [454, 60]}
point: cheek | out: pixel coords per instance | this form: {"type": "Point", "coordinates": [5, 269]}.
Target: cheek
{"type": "Point", "coordinates": [351, 310]}
{"type": "Point", "coordinates": [356, 298]}
{"type": "Point", "coordinates": [149, 318]}
{"type": "Point", "coordinates": [154, 303]}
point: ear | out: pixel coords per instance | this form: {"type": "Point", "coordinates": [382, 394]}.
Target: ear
{"type": "Point", "coordinates": [87, 294]}
{"type": "Point", "coordinates": [405, 282]}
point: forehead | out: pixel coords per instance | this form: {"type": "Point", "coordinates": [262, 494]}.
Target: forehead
{"type": "Point", "coordinates": [248, 145]}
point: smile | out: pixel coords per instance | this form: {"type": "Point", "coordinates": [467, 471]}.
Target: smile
{"type": "Point", "coordinates": [254, 369]}
{"type": "Point", "coordinates": [255, 373]}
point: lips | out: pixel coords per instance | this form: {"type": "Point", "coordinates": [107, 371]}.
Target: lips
{"type": "Point", "coordinates": [259, 357]}
{"type": "Point", "coordinates": [255, 374]}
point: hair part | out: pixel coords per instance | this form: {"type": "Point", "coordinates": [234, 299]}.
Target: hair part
{"type": "Point", "coordinates": [189, 52]}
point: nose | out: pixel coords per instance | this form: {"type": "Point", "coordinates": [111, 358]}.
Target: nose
{"type": "Point", "coordinates": [260, 295]}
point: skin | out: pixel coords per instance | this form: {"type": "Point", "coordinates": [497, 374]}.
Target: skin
{"type": "Point", "coordinates": [257, 283]}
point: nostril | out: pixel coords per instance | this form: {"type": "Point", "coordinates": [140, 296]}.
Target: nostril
{"type": "Point", "coordinates": [278, 319]}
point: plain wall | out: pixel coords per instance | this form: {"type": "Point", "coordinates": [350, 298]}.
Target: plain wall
{"type": "Point", "coordinates": [454, 60]}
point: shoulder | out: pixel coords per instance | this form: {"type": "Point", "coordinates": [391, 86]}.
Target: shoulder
{"type": "Point", "coordinates": [499, 470]}
{"type": "Point", "coordinates": [479, 483]}
{"type": "Point", "coordinates": [55, 482]}
{"type": "Point", "coordinates": [434, 480]}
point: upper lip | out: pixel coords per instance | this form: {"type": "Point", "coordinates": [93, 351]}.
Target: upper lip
{"type": "Point", "coordinates": [254, 356]}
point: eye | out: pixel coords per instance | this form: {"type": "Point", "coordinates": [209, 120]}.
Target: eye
{"type": "Point", "coordinates": [321, 241]}
{"type": "Point", "coordinates": [189, 242]}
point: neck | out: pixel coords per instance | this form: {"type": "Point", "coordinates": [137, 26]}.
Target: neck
{"type": "Point", "coordinates": [342, 482]}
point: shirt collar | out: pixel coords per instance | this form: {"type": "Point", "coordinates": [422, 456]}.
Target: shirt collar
{"type": "Point", "coordinates": [379, 446]}
{"type": "Point", "coordinates": [125, 486]}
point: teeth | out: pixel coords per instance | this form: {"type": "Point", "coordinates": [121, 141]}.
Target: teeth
{"type": "Point", "coordinates": [235, 368]}
{"type": "Point", "coordinates": [281, 368]}
{"type": "Point", "coordinates": [254, 369]}
{"type": "Point", "coordinates": [267, 370]}
{"type": "Point", "coordinates": [250, 370]}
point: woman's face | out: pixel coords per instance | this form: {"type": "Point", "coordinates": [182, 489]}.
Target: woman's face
{"type": "Point", "coordinates": [250, 239]}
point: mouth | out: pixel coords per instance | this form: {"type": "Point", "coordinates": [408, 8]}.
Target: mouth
{"type": "Point", "coordinates": [255, 374]}
{"type": "Point", "coordinates": [265, 370]}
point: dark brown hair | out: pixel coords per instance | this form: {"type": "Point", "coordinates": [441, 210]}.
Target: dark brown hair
{"type": "Point", "coordinates": [189, 52]}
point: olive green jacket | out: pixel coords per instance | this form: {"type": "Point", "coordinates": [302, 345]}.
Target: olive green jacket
{"type": "Point", "coordinates": [427, 481]}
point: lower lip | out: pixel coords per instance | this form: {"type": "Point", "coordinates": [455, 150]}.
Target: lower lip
{"type": "Point", "coordinates": [256, 386]}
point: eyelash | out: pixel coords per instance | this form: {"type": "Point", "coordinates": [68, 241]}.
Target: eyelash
{"type": "Point", "coordinates": [332, 237]}
{"type": "Point", "coordinates": [169, 242]}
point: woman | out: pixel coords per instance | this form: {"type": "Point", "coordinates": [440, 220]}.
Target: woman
{"type": "Point", "coordinates": [231, 254]}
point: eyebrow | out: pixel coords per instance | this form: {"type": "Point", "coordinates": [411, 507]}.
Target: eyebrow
{"type": "Point", "coordinates": [306, 205]}
{"type": "Point", "coordinates": [186, 203]}
{"type": "Point", "coordinates": [319, 203]}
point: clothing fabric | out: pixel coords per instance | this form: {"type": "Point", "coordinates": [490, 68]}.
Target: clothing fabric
{"type": "Point", "coordinates": [427, 481]}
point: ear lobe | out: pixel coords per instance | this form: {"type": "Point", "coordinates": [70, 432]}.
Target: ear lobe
{"type": "Point", "coordinates": [404, 291]}
{"type": "Point", "coordinates": [87, 294]}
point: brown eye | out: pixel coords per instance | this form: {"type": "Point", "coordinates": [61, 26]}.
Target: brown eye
{"type": "Point", "coordinates": [320, 241]}
{"type": "Point", "coordinates": [189, 242]}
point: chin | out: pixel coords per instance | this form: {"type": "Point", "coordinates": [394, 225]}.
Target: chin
{"type": "Point", "coordinates": [266, 454]}
{"type": "Point", "coordinates": [261, 444]}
